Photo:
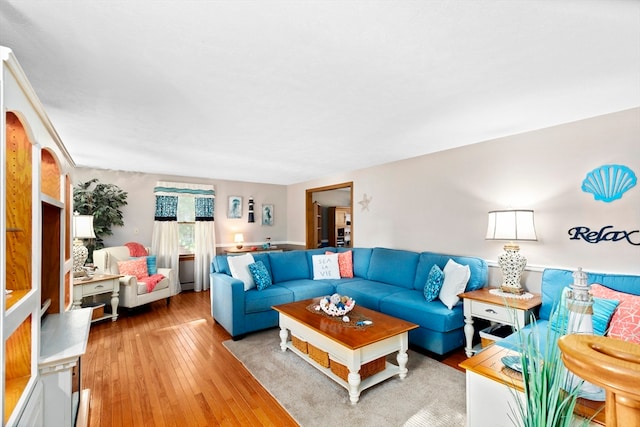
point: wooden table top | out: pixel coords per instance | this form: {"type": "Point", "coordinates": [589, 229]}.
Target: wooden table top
{"type": "Point", "coordinates": [488, 363]}
{"type": "Point", "coordinates": [383, 326]}
{"type": "Point", "coordinates": [485, 296]}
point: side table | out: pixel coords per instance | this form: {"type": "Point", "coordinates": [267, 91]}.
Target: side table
{"type": "Point", "coordinates": [96, 285]}
{"type": "Point", "coordinates": [506, 311]}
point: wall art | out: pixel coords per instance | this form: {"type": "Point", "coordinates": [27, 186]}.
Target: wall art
{"type": "Point", "coordinates": [609, 182]}
{"type": "Point", "coordinates": [267, 214]}
{"type": "Point", "coordinates": [605, 234]}
{"type": "Point", "coordinates": [364, 203]}
{"type": "Point", "coordinates": [234, 209]}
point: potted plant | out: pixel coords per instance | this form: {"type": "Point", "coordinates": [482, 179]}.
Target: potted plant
{"type": "Point", "coordinates": [103, 201]}
{"type": "Point", "coordinates": [550, 392]}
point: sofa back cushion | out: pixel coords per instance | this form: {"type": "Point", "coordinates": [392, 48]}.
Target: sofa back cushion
{"type": "Point", "coordinates": [291, 265]}
{"type": "Point", "coordinates": [477, 266]}
{"type": "Point", "coordinates": [361, 257]}
{"type": "Point", "coordinates": [555, 280]}
{"type": "Point", "coordinates": [393, 266]}
{"type": "Point", "coordinates": [219, 264]}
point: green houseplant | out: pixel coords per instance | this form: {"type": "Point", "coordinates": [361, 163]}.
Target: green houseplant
{"type": "Point", "coordinates": [103, 201]}
{"type": "Point", "coordinates": [550, 394]}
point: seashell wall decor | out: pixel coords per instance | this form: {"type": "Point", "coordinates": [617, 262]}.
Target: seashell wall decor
{"type": "Point", "coordinates": [609, 182]}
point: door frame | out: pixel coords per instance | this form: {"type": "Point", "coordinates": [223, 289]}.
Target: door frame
{"type": "Point", "coordinates": [309, 214]}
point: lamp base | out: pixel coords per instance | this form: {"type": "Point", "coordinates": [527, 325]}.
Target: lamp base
{"type": "Point", "coordinates": [511, 290]}
{"type": "Point", "coordinates": [80, 254]}
{"type": "Point", "coordinates": [512, 264]}
{"type": "Point", "coordinates": [238, 246]}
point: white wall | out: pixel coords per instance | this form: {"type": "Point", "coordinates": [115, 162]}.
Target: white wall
{"type": "Point", "coordinates": [139, 212]}
{"type": "Point", "coordinates": [439, 202]}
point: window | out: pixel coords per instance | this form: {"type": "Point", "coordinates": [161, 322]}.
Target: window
{"type": "Point", "coordinates": [186, 224]}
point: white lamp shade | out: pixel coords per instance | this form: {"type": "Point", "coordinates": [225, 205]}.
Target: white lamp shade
{"type": "Point", "coordinates": [83, 227]}
{"type": "Point", "coordinates": [238, 238]}
{"type": "Point", "coordinates": [511, 225]}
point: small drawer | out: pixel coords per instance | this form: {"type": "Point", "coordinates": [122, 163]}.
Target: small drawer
{"type": "Point", "coordinates": [97, 288]}
{"type": "Point", "coordinates": [496, 313]}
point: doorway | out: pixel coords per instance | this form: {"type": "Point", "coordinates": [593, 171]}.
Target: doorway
{"type": "Point", "coordinates": [340, 234]}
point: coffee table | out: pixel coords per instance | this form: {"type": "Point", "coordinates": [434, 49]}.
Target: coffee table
{"type": "Point", "coordinates": [353, 356]}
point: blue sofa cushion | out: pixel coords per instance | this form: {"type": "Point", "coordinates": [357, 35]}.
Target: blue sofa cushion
{"type": "Point", "coordinates": [367, 293]}
{"type": "Point", "coordinates": [361, 259]}
{"type": "Point", "coordinates": [292, 265]}
{"type": "Point", "coordinates": [411, 306]}
{"type": "Point", "coordinates": [256, 301]}
{"type": "Point", "coordinates": [394, 266]}
{"type": "Point", "coordinates": [307, 288]}
{"type": "Point", "coordinates": [478, 267]}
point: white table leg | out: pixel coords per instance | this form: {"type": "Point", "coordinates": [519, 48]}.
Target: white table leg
{"type": "Point", "coordinates": [284, 334]}
{"type": "Point", "coordinates": [468, 334]}
{"type": "Point", "coordinates": [354, 387]}
{"type": "Point", "coordinates": [115, 300]}
{"type": "Point", "coordinates": [402, 358]}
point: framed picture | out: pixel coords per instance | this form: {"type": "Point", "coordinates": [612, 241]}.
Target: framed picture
{"type": "Point", "coordinates": [267, 214]}
{"type": "Point", "coordinates": [235, 207]}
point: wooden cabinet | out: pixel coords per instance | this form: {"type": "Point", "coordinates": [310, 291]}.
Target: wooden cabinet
{"type": "Point", "coordinates": [35, 246]}
{"type": "Point", "coordinates": [339, 226]}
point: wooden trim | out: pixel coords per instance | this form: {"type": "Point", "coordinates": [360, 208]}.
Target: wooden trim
{"type": "Point", "coordinates": [309, 213]}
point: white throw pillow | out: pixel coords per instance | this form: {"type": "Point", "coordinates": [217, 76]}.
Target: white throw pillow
{"type": "Point", "coordinates": [239, 266]}
{"type": "Point", "coordinates": [456, 277]}
{"type": "Point", "coordinates": [325, 267]}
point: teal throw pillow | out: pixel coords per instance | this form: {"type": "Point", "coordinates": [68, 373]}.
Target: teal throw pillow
{"type": "Point", "coordinates": [432, 287]}
{"type": "Point", "coordinates": [152, 267]}
{"type": "Point", "coordinates": [260, 274]}
{"type": "Point", "coordinates": [602, 312]}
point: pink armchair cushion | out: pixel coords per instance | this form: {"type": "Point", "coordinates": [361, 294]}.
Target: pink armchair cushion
{"type": "Point", "coordinates": [135, 267]}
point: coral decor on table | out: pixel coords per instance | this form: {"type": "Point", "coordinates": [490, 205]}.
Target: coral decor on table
{"type": "Point", "coordinates": [336, 305]}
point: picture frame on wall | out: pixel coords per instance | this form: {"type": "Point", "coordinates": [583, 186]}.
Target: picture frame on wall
{"type": "Point", "coordinates": [234, 209]}
{"type": "Point", "coordinates": [267, 214]}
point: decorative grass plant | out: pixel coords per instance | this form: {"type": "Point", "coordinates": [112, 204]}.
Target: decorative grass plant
{"type": "Point", "coordinates": [550, 391]}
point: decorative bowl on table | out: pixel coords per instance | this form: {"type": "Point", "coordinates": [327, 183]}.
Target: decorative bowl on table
{"type": "Point", "coordinates": [336, 304]}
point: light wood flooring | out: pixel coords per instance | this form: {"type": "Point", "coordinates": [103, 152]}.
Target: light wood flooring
{"type": "Point", "coordinates": [166, 366]}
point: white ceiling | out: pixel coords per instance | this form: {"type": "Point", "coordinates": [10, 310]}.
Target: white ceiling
{"type": "Point", "coordinates": [287, 91]}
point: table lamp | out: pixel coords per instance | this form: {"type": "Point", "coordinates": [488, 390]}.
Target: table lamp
{"type": "Point", "coordinates": [82, 229]}
{"type": "Point", "coordinates": [238, 238]}
{"type": "Point", "coordinates": [511, 225]}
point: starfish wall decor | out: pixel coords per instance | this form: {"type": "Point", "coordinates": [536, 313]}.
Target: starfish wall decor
{"type": "Point", "coordinates": [364, 203]}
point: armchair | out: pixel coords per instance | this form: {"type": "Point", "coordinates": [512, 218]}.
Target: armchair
{"type": "Point", "coordinates": [132, 292]}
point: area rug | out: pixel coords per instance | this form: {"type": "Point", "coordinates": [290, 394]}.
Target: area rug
{"type": "Point", "coordinates": [432, 394]}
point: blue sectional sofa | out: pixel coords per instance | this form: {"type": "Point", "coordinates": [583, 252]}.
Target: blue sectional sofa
{"type": "Point", "coordinates": [387, 280]}
{"type": "Point", "coordinates": [553, 283]}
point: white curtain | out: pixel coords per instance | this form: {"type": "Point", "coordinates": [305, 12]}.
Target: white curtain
{"type": "Point", "coordinates": [205, 251]}
{"type": "Point", "coordinates": [165, 242]}
{"type": "Point", "coordinates": [165, 245]}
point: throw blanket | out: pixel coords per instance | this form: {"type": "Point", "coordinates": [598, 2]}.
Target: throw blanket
{"type": "Point", "coordinates": [151, 281]}
{"type": "Point", "coordinates": [136, 249]}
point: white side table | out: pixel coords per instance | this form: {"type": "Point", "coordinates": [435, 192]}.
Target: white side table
{"type": "Point", "coordinates": [506, 311]}
{"type": "Point", "coordinates": [98, 284]}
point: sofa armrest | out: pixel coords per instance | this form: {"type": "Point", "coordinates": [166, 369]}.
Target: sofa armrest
{"type": "Point", "coordinates": [129, 281]}
{"type": "Point", "coordinates": [227, 302]}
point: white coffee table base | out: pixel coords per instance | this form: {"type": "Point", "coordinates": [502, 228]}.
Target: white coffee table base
{"type": "Point", "coordinates": [353, 359]}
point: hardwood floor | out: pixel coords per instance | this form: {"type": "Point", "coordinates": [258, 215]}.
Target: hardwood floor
{"type": "Point", "coordinates": [166, 366]}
